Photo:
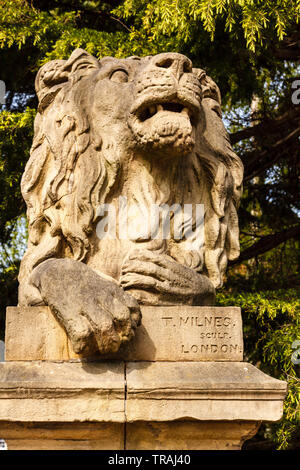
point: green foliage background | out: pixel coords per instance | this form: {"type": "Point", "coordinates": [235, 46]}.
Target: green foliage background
{"type": "Point", "coordinates": [249, 48]}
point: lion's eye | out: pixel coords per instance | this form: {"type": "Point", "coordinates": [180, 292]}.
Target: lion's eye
{"type": "Point", "coordinates": [213, 105]}
{"type": "Point", "coordinates": [120, 76]}
{"type": "Point", "coordinates": [217, 109]}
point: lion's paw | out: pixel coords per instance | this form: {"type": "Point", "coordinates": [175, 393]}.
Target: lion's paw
{"type": "Point", "coordinates": [96, 313]}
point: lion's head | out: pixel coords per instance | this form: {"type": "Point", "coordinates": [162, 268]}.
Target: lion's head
{"type": "Point", "coordinates": [149, 128]}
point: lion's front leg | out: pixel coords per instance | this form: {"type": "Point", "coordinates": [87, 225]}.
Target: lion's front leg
{"type": "Point", "coordinates": [96, 313]}
{"type": "Point", "coordinates": [158, 279]}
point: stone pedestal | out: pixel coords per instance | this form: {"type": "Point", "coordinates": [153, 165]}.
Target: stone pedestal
{"type": "Point", "coordinates": [180, 333]}
{"type": "Point", "coordinates": [181, 384]}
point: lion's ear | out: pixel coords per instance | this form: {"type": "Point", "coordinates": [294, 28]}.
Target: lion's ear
{"type": "Point", "coordinates": [54, 75]}
{"type": "Point", "coordinates": [209, 88]}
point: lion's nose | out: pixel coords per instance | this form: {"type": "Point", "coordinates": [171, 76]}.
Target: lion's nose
{"type": "Point", "coordinates": [178, 64]}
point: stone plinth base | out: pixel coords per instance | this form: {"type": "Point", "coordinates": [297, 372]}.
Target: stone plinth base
{"type": "Point", "coordinates": [134, 405]}
{"type": "Point", "coordinates": [175, 435]}
{"type": "Point", "coordinates": [189, 435]}
{"type": "Point", "coordinates": [63, 436]}
{"type": "Point", "coordinates": [179, 384]}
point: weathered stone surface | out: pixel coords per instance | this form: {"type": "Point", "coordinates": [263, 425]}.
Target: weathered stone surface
{"type": "Point", "coordinates": [189, 435]}
{"type": "Point", "coordinates": [177, 435]}
{"type": "Point", "coordinates": [148, 131]}
{"type": "Point", "coordinates": [165, 405]}
{"type": "Point", "coordinates": [2, 350]}
{"type": "Point", "coordinates": [176, 333]}
{"type": "Point", "coordinates": [61, 392]}
{"type": "Point", "coordinates": [207, 391]}
{"type": "Point", "coordinates": [34, 334]}
{"type": "Point", "coordinates": [63, 436]}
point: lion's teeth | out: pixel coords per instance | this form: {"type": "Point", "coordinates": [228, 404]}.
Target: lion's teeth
{"type": "Point", "coordinates": [185, 111]}
{"type": "Point", "coordinates": [159, 107]}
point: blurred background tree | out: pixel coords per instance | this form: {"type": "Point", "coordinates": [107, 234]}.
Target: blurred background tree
{"type": "Point", "coordinates": [252, 50]}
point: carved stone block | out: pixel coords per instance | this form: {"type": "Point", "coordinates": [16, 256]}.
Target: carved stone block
{"type": "Point", "coordinates": [178, 333]}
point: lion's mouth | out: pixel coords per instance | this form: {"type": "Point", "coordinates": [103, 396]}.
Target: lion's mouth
{"type": "Point", "coordinates": [165, 122]}
{"type": "Point", "coordinates": [150, 110]}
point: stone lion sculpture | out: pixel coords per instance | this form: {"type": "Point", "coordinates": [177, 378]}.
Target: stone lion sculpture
{"type": "Point", "coordinates": [148, 129]}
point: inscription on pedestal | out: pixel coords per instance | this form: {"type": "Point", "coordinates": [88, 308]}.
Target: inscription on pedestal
{"type": "Point", "coordinates": [188, 334]}
{"type": "Point", "coordinates": [214, 332]}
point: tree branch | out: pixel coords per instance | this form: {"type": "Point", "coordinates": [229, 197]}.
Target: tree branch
{"type": "Point", "coordinates": [266, 126]}
{"type": "Point", "coordinates": [253, 164]}
{"type": "Point", "coordinates": [290, 47]}
{"type": "Point", "coordinates": [267, 243]}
